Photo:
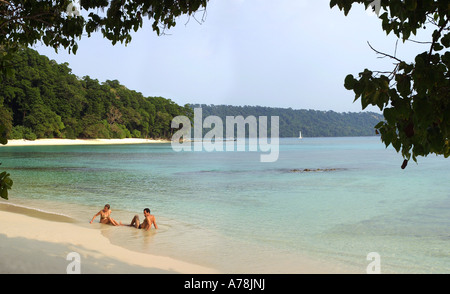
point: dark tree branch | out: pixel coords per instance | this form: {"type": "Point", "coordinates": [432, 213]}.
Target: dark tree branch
{"type": "Point", "coordinates": [435, 39]}
{"type": "Point", "coordinates": [419, 42]}
{"type": "Point", "coordinates": [384, 54]}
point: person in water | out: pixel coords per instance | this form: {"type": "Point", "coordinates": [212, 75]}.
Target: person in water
{"type": "Point", "coordinates": [149, 220]}
{"type": "Point", "coordinates": [105, 216]}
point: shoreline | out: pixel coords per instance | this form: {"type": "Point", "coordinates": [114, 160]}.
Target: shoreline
{"type": "Point", "coordinates": [36, 241]}
{"type": "Point", "coordinates": [68, 142]}
{"type": "Point", "coordinates": [41, 243]}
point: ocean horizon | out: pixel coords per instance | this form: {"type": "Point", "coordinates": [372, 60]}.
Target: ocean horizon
{"type": "Point", "coordinates": [326, 201]}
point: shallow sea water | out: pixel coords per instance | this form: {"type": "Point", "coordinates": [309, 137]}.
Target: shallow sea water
{"type": "Point", "coordinates": [230, 211]}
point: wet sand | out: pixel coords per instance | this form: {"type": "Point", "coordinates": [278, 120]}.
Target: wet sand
{"type": "Point", "coordinates": [33, 242]}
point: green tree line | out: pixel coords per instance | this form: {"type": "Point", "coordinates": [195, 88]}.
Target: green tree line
{"type": "Point", "coordinates": [44, 99]}
{"type": "Point", "coordinates": [312, 123]}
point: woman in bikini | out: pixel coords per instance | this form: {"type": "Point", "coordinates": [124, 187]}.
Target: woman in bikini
{"type": "Point", "coordinates": [105, 216]}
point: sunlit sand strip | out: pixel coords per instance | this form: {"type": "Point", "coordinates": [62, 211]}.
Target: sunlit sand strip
{"type": "Point", "coordinates": [55, 142]}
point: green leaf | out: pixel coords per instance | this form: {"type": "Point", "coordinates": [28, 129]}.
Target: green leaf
{"type": "Point", "coordinates": [4, 193]}
{"type": "Point", "coordinates": [403, 85]}
{"type": "Point", "coordinates": [438, 47]}
{"type": "Point", "coordinates": [358, 89]}
{"type": "Point", "coordinates": [74, 49]}
{"type": "Point", "coordinates": [411, 4]}
{"type": "Point", "coordinates": [445, 41]}
{"type": "Point", "coordinates": [349, 82]}
{"type": "Point", "coordinates": [389, 115]}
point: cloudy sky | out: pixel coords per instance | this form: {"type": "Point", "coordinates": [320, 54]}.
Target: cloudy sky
{"type": "Point", "coordinates": [285, 53]}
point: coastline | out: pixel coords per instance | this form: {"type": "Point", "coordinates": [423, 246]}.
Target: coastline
{"type": "Point", "coordinates": [56, 142]}
{"type": "Point", "coordinates": [331, 219]}
{"type": "Point", "coordinates": [37, 241]}
{"type": "Point", "coordinates": [41, 243]}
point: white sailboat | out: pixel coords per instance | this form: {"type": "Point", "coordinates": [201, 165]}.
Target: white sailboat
{"type": "Point", "coordinates": [300, 136]}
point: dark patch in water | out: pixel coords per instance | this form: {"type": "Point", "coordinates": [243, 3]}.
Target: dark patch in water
{"type": "Point", "coordinates": [61, 169]}
{"type": "Point", "coordinates": [261, 171]}
{"type": "Point", "coordinates": [307, 170]}
{"type": "Point", "coordinates": [213, 172]}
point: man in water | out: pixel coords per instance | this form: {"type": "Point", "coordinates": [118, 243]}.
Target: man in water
{"type": "Point", "coordinates": [149, 219]}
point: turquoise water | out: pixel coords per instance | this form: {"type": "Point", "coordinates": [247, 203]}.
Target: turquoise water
{"type": "Point", "coordinates": [230, 211]}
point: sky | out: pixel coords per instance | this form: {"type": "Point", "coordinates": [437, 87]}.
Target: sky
{"type": "Point", "coordinates": [284, 53]}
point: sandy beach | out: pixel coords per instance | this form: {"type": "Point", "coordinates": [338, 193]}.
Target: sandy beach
{"type": "Point", "coordinates": [36, 242]}
{"type": "Point", "coordinates": [54, 142]}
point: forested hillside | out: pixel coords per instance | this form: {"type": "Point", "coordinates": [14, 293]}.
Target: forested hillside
{"type": "Point", "coordinates": [311, 123]}
{"type": "Point", "coordinates": [43, 99]}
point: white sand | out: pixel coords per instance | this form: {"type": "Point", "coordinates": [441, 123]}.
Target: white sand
{"type": "Point", "coordinates": [51, 142]}
{"type": "Point", "coordinates": [35, 245]}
